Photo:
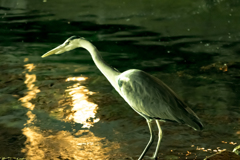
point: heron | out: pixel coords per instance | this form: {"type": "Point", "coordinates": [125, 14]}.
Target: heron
{"type": "Point", "coordinates": [147, 95]}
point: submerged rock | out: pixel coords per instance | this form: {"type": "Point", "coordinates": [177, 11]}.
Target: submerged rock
{"type": "Point", "coordinates": [237, 150]}
{"type": "Point", "coordinates": [224, 155]}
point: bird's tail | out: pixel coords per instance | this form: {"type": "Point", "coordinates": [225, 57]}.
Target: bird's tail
{"type": "Point", "coordinates": [193, 120]}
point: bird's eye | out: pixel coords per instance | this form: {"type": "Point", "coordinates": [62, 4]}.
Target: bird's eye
{"type": "Point", "coordinates": [67, 43]}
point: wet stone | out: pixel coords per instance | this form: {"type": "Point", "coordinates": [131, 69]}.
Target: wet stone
{"type": "Point", "coordinates": [237, 150]}
{"type": "Point", "coordinates": [224, 155]}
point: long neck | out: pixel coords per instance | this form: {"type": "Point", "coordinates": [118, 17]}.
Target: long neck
{"type": "Point", "coordinates": [106, 70]}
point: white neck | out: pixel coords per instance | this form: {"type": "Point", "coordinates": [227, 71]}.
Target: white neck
{"type": "Point", "coordinates": [106, 70]}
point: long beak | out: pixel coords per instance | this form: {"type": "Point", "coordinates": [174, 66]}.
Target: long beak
{"type": "Point", "coordinates": [58, 50]}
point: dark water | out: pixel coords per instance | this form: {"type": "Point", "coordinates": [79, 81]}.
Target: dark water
{"type": "Point", "coordinates": [46, 113]}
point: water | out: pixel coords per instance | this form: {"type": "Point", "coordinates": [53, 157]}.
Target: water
{"type": "Point", "coordinates": [48, 113]}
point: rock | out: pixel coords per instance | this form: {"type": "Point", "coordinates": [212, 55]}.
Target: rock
{"type": "Point", "coordinates": [237, 150]}
{"type": "Point", "coordinates": [224, 155]}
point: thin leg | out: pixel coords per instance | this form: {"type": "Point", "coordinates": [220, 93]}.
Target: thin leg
{"type": "Point", "coordinates": [150, 141]}
{"type": "Point", "coordinates": [159, 140]}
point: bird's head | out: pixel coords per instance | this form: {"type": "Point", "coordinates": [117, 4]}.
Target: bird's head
{"type": "Point", "coordinates": [70, 44]}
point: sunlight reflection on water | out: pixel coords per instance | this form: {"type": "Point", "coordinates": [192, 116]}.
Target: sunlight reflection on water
{"type": "Point", "coordinates": [50, 144]}
{"type": "Point", "coordinates": [198, 59]}
{"type": "Point", "coordinates": [82, 109]}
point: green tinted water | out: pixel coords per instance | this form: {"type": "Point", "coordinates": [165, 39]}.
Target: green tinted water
{"type": "Point", "coordinates": [187, 45]}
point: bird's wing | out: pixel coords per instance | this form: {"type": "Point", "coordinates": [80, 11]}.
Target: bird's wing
{"type": "Point", "coordinates": [151, 98]}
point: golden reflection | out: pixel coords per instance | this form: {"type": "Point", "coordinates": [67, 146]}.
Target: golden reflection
{"type": "Point", "coordinates": [25, 60]}
{"type": "Point", "coordinates": [49, 144]}
{"type": "Point", "coordinates": [215, 150]}
{"type": "Point", "coordinates": [76, 79]}
{"type": "Point", "coordinates": [32, 146]}
{"type": "Point", "coordinates": [233, 143]}
{"type": "Point", "coordinates": [224, 68]}
{"type": "Point", "coordinates": [188, 153]}
{"type": "Point", "coordinates": [32, 89]}
{"type": "Point", "coordinates": [31, 94]}
{"type": "Point", "coordinates": [82, 110]}
{"type": "Point", "coordinates": [63, 145]}
{"type": "Point", "coordinates": [210, 150]}
{"type": "Point", "coordinates": [29, 67]}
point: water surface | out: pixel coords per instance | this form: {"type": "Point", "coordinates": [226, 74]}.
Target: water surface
{"type": "Point", "coordinates": [62, 107]}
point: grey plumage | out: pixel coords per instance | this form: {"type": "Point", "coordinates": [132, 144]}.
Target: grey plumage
{"type": "Point", "coordinates": [153, 99]}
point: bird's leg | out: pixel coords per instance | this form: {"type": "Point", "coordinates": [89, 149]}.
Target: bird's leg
{"type": "Point", "coordinates": [159, 140]}
{"type": "Point", "coordinates": [150, 141]}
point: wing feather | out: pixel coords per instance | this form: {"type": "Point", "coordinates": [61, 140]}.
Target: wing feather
{"type": "Point", "coordinates": [151, 98]}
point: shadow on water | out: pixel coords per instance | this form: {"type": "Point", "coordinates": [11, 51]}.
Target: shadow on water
{"type": "Point", "coordinates": [62, 107]}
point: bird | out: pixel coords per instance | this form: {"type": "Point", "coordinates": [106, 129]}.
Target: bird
{"type": "Point", "coordinates": [147, 95]}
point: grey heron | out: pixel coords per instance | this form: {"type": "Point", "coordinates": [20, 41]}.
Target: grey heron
{"type": "Point", "coordinates": [147, 95]}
